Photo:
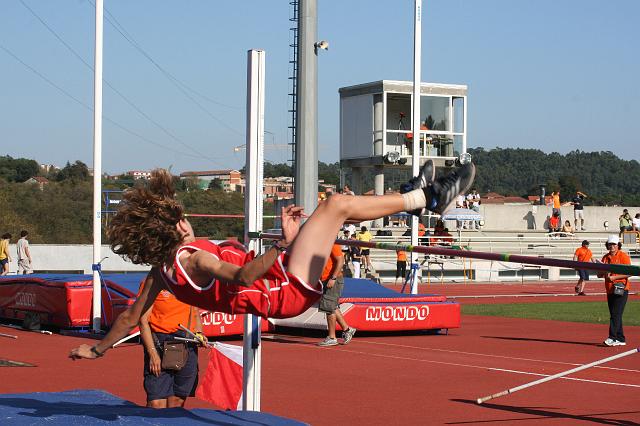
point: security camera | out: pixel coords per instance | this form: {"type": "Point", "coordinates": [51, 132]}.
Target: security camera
{"type": "Point", "coordinates": [322, 44]}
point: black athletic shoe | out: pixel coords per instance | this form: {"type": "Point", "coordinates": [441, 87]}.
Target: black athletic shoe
{"type": "Point", "coordinates": [442, 193]}
{"type": "Point", "coordinates": [425, 177]}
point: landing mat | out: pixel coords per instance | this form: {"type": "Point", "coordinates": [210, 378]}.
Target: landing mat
{"type": "Point", "coordinates": [96, 407]}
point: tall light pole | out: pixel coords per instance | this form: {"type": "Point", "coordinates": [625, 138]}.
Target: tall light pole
{"type": "Point", "coordinates": [306, 166]}
{"type": "Point", "coordinates": [415, 120]}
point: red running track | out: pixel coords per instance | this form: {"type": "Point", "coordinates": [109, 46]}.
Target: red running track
{"type": "Point", "coordinates": [509, 292]}
{"type": "Point", "coordinates": [386, 379]}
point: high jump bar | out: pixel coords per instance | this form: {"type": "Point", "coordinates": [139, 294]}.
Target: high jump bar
{"type": "Point", "coordinates": [631, 270]}
{"type": "Point", "coordinates": [557, 376]}
{"type": "Point", "coordinates": [216, 216]}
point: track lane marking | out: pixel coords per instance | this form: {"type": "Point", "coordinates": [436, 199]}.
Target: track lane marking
{"type": "Point", "coordinates": [494, 356]}
{"type": "Point", "coordinates": [455, 364]}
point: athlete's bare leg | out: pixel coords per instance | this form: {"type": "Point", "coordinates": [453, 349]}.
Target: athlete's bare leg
{"type": "Point", "coordinates": [310, 250]}
{"type": "Point", "coordinates": [311, 247]}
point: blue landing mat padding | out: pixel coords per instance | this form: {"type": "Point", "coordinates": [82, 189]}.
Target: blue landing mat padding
{"type": "Point", "coordinates": [95, 407]}
{"type": "Point", "coordinates": [360, 287]}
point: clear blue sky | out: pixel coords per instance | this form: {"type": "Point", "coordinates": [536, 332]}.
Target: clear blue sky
{"type": "Point", "coordinates": [548, 74]}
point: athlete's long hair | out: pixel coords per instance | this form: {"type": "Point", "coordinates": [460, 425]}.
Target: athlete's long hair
{"type": "Point", "coordinates": [144, 227]}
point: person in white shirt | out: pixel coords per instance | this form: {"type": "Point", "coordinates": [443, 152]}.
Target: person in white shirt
{"type": "Point", "coordinates": [24, 254]}
{"type": "Point", "coordinates": [461, 203]}
{"type": "Point", "coordinates": [473, 201]}
{"type": "Point", "coordinates": [635, 222]}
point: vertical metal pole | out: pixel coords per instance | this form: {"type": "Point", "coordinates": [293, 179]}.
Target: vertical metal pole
{"type": "Point", "coordinates": [97, 166]}
{"type": "Point", "coordinates": [252, 353]}
{"type": "Point", "coordinates": [306, 170]}
{"type": "Point", "coordinates": [415, 120]}
{"type": "Point", "coordinates": [378, 150]}
{"type": "Point", "coordinates": [464, 126]}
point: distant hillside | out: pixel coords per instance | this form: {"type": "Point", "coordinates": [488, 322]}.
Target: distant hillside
{"type": "Point", "coordinates": [604, 177]}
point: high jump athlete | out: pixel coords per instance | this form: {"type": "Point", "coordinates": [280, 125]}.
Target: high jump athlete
{"type": "Point", "coordinates": [150, 228]}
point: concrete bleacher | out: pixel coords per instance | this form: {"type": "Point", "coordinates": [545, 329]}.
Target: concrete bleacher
{"type": "Point", "coordinates": [527, 243]}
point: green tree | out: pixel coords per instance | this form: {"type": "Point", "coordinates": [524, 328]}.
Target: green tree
{"type": "Point", "coordinates": [216, 185]}
{"type": "Point", "coordinates": [76, 171]}
{"type": "Point", "coordinates": [18, 169]}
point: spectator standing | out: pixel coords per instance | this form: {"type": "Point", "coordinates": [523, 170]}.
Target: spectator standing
{"type": "Point", "coordinates": [401, 264]}
{"type": "Point", "coordinates": [578, 210]}
{"type": "Point", "coordinates": [461, 203]}
{"type": "Point", "coordinates": [473, 201]}
{"type": "Point", "coordinates": [345, 248]}
{"type": "Point", "coordinates": [332, 286]}
{"type": "Point", "coordinates": [582, 254]}
{"type": "Point", "coordinates": [5, 257]}
{"type": "Point", "coordinates": [625, 221]}
{"type": "Point", "coordinates": [356, 257]}
{"type": "Point", "coordinates": [365, 235]}
{"type": "Point", "coordinates": [556, 203]}
{"type": "Point", "coordinates": [616, 302]}
{"type": "Point", "coordinates": [352, 229]}
{"type": "Point", "coordinates": [25, 262]}
{"type": "Point", "coordinates": [167, 387]}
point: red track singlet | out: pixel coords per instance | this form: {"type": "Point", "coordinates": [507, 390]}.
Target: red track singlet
{"type": "Point", "coordinates": [278, 294]}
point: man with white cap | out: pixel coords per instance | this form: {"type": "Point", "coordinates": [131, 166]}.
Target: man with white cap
{"type": "Point", "coordinates": [617, 287]}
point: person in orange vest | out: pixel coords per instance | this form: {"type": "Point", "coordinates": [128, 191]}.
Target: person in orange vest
{"type": "Point", "coordinates": [582, 254]}
{"type": "Point", "coordinates": [333, 283]}
{"type": "Point", "coordinates": [617, 286]}
{"type": "Point", "coordinates": [401, 264]}
{"type": "Point", "coordinates": [169, 387]}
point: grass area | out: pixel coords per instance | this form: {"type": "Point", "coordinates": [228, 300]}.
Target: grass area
{"type": "Point", "coordinates": [592, 312]}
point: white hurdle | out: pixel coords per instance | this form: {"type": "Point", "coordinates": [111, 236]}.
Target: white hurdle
{"type": "Point", "coordinates": [252, 354]}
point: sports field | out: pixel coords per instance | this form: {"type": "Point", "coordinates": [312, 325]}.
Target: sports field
{"type": "Point", "coordinates": [590, 311]}
{"type": "Point", "coordinates": [406, 378]}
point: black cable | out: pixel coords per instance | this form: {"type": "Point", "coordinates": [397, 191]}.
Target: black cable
{"type": "Point", "coordinates": [128, 101]}
{"type": "Point", "coordinates": [78, 101]}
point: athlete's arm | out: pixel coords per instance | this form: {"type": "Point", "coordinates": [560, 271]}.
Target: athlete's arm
{"type": "Point", "coordinates": [202, 266]}
{"type": "Point", "coordinates": [127, 320]}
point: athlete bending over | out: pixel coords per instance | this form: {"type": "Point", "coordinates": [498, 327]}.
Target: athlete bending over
{"type": "Point", "coordinates": [150, 228]}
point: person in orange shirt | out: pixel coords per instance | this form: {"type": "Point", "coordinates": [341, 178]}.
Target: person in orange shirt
{"type": "Point", "coordinates": [169, 388]}
{"type": "Point", "coordinates": [332, 285]}
{"type": "Point", "coordinates": [616, 302]}
{"type": "Point", "coordinates": [554, 222]}
{"type": "Point", "coordinates": [401, 264]}
{"type": "Point", "coordinates": [582, 254]}
{"type": "Point", "coordinates": [556, 202]}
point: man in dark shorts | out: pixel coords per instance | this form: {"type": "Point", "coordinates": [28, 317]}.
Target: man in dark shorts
{"type": "Point", "coordinates": [582, 254]}
{"type": "Point", "coordinates": [332, 285]}
{"type": "Point", "coordinates": [165, 387]}
{"type": "Point", "coordinates": [365, 235]}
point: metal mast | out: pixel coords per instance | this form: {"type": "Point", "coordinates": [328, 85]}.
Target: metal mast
{"type": "Point", "coordinates": [306, 170]}
{"type": "Point", "coordinates": [293, 77]}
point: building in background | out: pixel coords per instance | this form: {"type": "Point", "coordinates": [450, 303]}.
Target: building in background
{"type": "Point", "coordinates": [230, 180]}
{"type": "Point", "coordinates": [138, 174]}
{"type": "Point", "coordinates": [376, 134]}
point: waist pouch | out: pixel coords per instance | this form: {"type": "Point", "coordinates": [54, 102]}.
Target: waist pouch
{"type": "Point", "coordinates": [618, 289]}
{"type": "Point", "coordinates": [174, 355]}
